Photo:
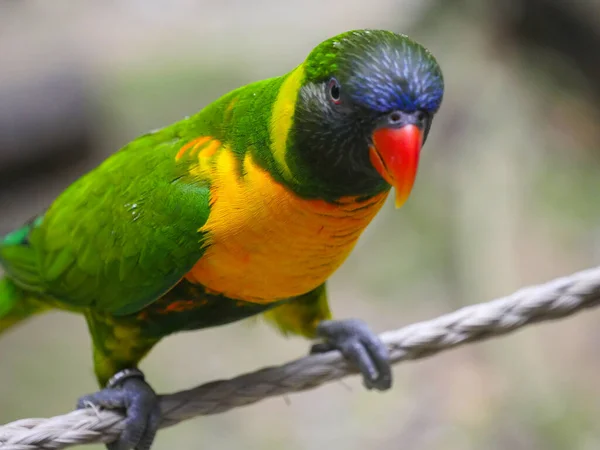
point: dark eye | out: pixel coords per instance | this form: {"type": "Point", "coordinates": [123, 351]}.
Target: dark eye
{"type": "Point", "coordinates": [395, 117]}
{"type": "Point", "coordinates": [334, 91]}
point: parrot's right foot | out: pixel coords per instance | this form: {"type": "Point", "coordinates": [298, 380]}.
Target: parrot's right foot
{"type": "Point", "coordinates": [361, 347]}
{"type": "Point", "coordinates": [128, 391]}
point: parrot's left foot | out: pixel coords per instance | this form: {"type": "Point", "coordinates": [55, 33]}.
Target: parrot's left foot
{"type": "Point", "coordinates": [128, 391]}
{"type": "Point", "coordinates": [361, 347]}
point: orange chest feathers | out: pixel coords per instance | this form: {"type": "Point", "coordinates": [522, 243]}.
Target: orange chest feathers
{"type": "Point", "coordinates": [265, 243]}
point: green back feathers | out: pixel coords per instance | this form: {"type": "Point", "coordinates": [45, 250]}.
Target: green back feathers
{"type": "Point", "coordinates": [120, 236]}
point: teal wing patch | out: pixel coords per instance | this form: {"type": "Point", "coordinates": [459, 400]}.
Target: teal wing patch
{"type": "Point", "coordinates": [19, 259]}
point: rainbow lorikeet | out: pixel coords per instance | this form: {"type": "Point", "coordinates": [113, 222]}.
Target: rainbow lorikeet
{"type": "Point", "coordinates": [246, 207]}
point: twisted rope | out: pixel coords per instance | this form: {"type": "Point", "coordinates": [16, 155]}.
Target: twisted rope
{"type": "Point", "coordinates": [559, 298]}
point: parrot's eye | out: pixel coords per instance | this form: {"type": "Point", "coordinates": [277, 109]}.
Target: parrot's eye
{"type": "Point", "coordinates": [334, 91]}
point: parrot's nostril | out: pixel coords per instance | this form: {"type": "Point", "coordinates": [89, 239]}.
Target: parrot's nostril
{"type": "Point", "coordinates": [395, 117]}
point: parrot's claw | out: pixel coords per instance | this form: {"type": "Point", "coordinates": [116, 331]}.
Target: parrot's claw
{"type": "Point", "coordinates": [361, 347]}
{"type": "Point", "coordinates": [128, 391]}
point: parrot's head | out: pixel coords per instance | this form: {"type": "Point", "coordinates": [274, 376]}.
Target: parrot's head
{"type": "Point", "coordinates": [363, 111]}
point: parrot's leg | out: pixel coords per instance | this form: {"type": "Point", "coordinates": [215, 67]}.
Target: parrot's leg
{"type": "Point", "coordinates": [118, 348]}
{"type": "Point", "coordinates": [308, 315]}
{"type": "Point", "coordinates": [360, 346]}
{"type": "Point", "coordinates": [301, 315]}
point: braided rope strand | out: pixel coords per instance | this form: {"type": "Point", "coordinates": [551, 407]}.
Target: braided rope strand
{"type": "Point", "coordinates": [556, 299]}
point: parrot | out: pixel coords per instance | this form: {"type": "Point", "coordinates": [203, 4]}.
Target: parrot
{"type": "Point", "coordinates": [245, 208]}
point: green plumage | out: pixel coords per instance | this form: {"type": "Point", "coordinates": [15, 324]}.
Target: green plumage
{"type": "Point", "coordinates": [119, 240]}
{"type": "Point", "coordinates": [125, 233]}
{"type": "Point", "coordinates": [116, 245]}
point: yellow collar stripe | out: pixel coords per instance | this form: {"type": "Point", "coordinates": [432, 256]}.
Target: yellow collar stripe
{"type": "Point", "coordinates": [282, 116]}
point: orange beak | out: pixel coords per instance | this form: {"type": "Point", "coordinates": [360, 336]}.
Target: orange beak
{"type": "Point", "coordinates": [395, 155]}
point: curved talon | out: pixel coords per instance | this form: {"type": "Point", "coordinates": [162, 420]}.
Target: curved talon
{"type": "Point", "coordinates": [130, 392]}
{"type": "Point", "coordinates": [361, 347]}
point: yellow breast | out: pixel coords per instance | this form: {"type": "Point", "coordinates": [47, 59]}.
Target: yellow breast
{"type": "Point", "coordinates": [265, 243]}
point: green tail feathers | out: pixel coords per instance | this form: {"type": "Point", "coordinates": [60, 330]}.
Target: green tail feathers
{"type": "Point", "coordinates": [15, 306]}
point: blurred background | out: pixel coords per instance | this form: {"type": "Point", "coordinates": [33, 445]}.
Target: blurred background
{"type": "Point", "coordinates": [507, 196]}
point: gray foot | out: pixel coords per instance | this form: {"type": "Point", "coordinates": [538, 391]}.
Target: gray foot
{"type": "Point", "coordinates": [361, 347]}
{"type": "Point", "coordinates": [128, 391]}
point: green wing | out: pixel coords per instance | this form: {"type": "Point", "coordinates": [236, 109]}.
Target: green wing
{"type": "Point", "coordinates": [119, 237]}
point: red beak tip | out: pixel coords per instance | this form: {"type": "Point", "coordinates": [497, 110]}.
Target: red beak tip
{"type": "Point", "coordinates": [396, 157]}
